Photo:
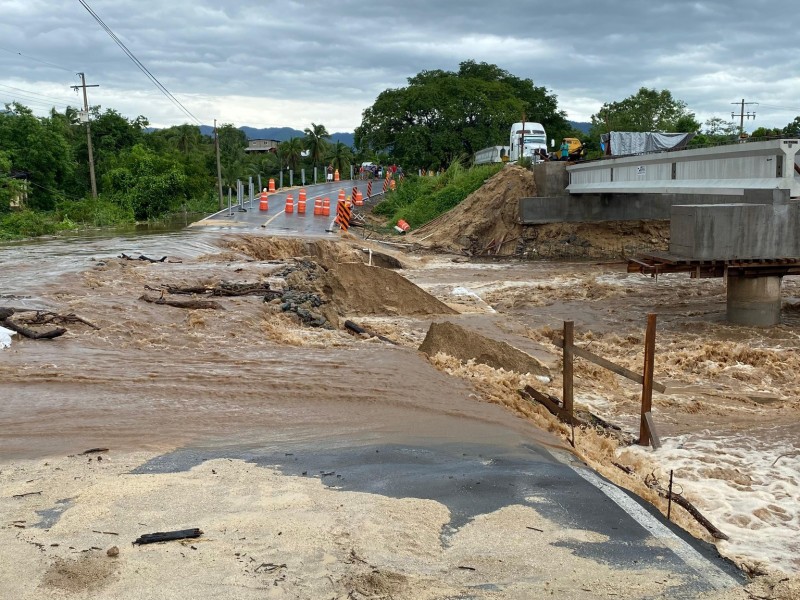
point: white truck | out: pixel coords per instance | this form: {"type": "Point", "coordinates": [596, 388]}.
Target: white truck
{"type": "Point", "coordinates": [527, 140]}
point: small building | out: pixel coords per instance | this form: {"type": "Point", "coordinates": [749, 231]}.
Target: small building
{"type": "Point", "coordinates": [261, 146]}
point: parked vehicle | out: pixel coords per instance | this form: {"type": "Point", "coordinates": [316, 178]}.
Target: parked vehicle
{"type": "Point", "coordinates": [526, 141]}
{"type": "Point", "coordinates": [492, 154]}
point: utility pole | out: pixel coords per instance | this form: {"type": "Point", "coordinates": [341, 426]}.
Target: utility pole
{"type": "Point", "coordinates": [88, 131]}
{"type": "Point", "coordinates": [742, 115]}
{"type": "Point", "coordinates": [219, 166]}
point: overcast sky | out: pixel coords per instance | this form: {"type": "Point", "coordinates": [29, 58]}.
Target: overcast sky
{"type": "Point", "coordinates": [271, 63]}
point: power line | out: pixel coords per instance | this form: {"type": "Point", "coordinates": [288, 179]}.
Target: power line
{"type": "Point", "coordinates": [31, 93]}
{"type": "Point", "coordinates": [30, 102]}
{"type": "Point", "coordinates": [44, 62]}
{"type": "Point", "coordinates": [787, 108]}
{"type": "Point", "coordinates": [139, 64]}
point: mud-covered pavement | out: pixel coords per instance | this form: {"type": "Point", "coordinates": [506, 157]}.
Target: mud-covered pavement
{"type": "Point", "coordinates": [156, 379]}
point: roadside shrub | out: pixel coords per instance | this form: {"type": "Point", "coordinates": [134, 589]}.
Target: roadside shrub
{"type": "Point", "coordinates": [421, 199]}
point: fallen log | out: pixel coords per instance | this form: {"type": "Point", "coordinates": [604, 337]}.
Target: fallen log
{"type": "Point", "coordinates": [168, 536]}
{"type": "Point", "coordinates": [33, 334]}
{"type": "Point", "coordinates": [692, 510]}
{"type": "Point", "coordinates": [354, 327]}
{"type": "Point", "coordinates": [224, 288]}
{"type": "Point", "coordinates": [187, 304]}
{"type": "Point", "coordinates": [552, 404]}
{"type": "Point", "coordinates": [651, 482]}
{"type": "Point", "coordinates": [143, 257]}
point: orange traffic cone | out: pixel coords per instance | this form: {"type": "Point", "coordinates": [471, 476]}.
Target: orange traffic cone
{"type": "Point", "coordinates": [341, 195]}
{"type": "Point", "coordinates": [326, 207]}
{"type": "Point", "coordinates": [264, 200]}
{"type": "Point", "coordinates": [403, 225]}
{"type": "Point", "coordinates": [271, 185]}
{"type": "Point", "coordinates": [301, 203]}
{"type": "Point", "coordinates": [289, 204]}
{"type": "Point", "coordinates": [317, 207]}
{"type": "Point", "coordinates": [392, 184]}
{"type": "Point", "coordinates": [358, 200]}
{"type": "Point", "coordinates": [336, 175]}
{"type": "Point", "coordinates": [301, 195]}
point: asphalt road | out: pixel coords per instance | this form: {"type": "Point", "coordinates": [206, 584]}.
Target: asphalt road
{"type": "Point", "coordinates": [277, 220]}
{"type": "Point", "coordinates": [472, 478]}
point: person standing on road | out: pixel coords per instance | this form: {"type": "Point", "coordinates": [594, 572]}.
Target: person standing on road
{"type": "Point", "coordinates": [564, 150]}
{"type": "Point", "coordinates": [329, 176]}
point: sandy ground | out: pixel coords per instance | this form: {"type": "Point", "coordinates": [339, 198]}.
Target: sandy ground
{"type": "Point", "coordinates": [730, 412]}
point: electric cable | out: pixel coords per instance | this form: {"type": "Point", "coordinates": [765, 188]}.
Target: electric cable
{"type": "Point", "coordinates": [139, 64]}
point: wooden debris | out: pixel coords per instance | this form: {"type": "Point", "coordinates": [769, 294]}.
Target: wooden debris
{"type": "Point", "coordinates": [38, 324]}
{"type": "Point", "coordinates": [143, 257]}
{"type": "Point", "coordinates": [354, 327]}
{"type": "Point", "coordinates": [94, 451]}
{"type": "Point", "coordinates": [188, 304]}
{"type": "Point", "coordinates": [168, 536]}
{"type": "Point", "coordinates": [223, 288]}
{"type": "Point", "coordinates": [652, 482]}
{"type": "Point", "coordinates": [39, 493]}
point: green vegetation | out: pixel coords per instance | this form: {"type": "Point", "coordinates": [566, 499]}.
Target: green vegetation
{"type": "Point", "coordinates": [420, 199]}
{"type": "Point", "coordinates": [646, 110]}
{"type": "Point", "coordinates": [435, 121]}
{"type": "Point", "coordinates": [442, 115]}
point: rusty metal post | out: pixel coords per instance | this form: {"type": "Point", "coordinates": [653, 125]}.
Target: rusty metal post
{"type": "Point", "coordinates": [569, 357]}
{"type": "Point", "coordinates": [647, 383]}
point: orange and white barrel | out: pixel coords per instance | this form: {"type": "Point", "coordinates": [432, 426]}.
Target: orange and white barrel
{"type": "Point", "coordinates": [289, 204]}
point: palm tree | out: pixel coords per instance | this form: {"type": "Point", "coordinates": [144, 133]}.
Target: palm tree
{"type": "Point", "coordinates": [185, 137]}
{"type": "Point", "coordinates": [316, 142]}
{"type": "Point", "coordinates": [290, 152]}
{"type": "Point", "coordinates": [341, 156]}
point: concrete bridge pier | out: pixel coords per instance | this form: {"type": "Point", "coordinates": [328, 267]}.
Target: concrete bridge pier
{"type": "Point", "coordinates": [754, 301]}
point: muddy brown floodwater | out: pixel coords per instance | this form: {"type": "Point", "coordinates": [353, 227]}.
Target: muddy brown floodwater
{"type": "Point", "coordinates": [154, 378]}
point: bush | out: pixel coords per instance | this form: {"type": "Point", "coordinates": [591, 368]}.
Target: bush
{"type": "Point", "coordinates": [94, 212]}
{"type": "Point", "coordinates": [421, 199]}
{"type": "Point", "coordinates": [29, 223]}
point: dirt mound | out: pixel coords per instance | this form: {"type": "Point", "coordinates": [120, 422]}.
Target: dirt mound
{"type": "Point", "coordinates": [593, 240]}
{"type": "Point", "coordinates": [467, 345]}
{"type": "Point", "coordinates": [326, 252]}
{"type": "Point", "coordinates": [355, 288]}
{"type": "Point", "coordinates": [486, 219]}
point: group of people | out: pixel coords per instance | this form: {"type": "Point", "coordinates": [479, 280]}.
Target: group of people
{"type": "Point", "coordinates": [370, 171]}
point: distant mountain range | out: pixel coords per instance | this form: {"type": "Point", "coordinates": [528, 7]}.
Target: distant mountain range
{"type": "Point", "coordinates": [580, 126]}
{"type": "Point", "coordinates": [280, 133]}
{"type": "Point", "coordinates": [284, 133]}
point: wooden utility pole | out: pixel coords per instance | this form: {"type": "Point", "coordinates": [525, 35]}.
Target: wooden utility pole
{"type": "Point", "coordinates": [88, 131]}
{"type": "Point", "coordinates": [219, 166]}
{"type": "Point", "coordinates": [742, 115]}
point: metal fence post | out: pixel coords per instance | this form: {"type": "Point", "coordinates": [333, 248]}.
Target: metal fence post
{"type": "Point", "coordinates": [302, 176]}
{"type": "Point", "coordinates": [315, 175]}
{"type": "Point", "coordinates": [280, 179]}
{"type": "Point", "coordinates": [291, 177]}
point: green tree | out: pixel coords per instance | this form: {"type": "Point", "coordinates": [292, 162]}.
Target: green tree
{"type": "Point", "coordinates": [185, 138]}
{"type": "Point", "coordinates": [36, 147]}
{"type": "Point", "coordinates": [290, 152]}
{"type": "Point", "coordinates": [793, 128]}
{"type": "Point", "coordinates": [149, 184]}
{"type": "Point", "coordinates": [441, 115]}
{"type": "Point", "coordinates": [316, 142]}
{"type": "Point", "coordinates": [340, 156]}
{"type": "Point", "coordinates": [232, 144]}
{"type": "Point", "coordinates": [646, 110]}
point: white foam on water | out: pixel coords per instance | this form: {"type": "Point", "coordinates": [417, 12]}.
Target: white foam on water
{"type": "Point", "coordinates": [745, 487]}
